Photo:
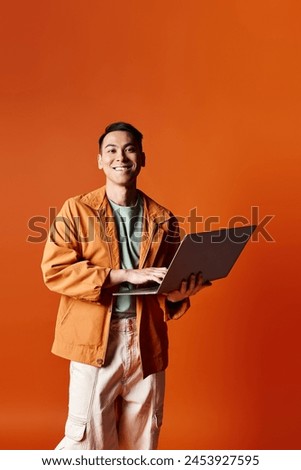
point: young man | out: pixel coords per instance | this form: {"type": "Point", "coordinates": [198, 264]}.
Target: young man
{"type": "Point", "coordinates": [114, 238]}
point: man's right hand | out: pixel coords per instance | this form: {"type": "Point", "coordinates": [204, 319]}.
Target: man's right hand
{"type": "Point", "coordinates": [135, 276]}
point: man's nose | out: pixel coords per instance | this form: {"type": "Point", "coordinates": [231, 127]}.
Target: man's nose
{"type": "Point", "coordinates": [121, 155]}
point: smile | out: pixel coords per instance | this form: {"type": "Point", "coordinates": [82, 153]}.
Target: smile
{"type": "Point", "coordinates": [122, 168]}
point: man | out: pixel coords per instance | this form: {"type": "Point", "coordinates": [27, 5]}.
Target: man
{"type": "Point", "coordinates": [114, 238]}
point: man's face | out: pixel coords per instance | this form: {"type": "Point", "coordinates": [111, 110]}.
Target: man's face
{"type": "Point", "coordinates": [121, 158]}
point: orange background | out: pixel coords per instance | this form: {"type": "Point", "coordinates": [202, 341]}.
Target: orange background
{"type": "Point", "coordinates": [215, 88]}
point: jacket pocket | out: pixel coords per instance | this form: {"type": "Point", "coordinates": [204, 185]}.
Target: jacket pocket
{"type": "Point", "coordinates": [75, 430]}
{"type": "Point", "coordinates": [65, 314]}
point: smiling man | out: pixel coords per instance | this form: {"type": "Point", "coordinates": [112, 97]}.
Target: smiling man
{"type": "Point", "coordinates": [114, 238]}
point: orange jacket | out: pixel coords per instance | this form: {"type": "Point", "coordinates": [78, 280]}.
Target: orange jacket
{"type": "Point", "coordinates": [81, 249]}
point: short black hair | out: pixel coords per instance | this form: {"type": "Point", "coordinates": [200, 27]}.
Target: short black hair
{"type": "Point", "coordinates": [122, 126]}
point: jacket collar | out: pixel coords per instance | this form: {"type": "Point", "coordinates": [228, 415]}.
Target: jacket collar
{"type": "Point", "coordinates": [95, 199]}
{"type": "Point", "coordinates": [98, 200]}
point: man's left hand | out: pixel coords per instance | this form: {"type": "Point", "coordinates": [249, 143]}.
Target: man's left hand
{"type": "Point", "coordinates": [189, 287]}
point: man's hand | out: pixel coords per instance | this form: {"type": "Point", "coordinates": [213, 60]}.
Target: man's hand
{"type": "Point", "coordinates": [188, 287]}
{"type": "Point", "coordinates": [135, 276]}
{"type": "Point", "coordinates": [141, 276]}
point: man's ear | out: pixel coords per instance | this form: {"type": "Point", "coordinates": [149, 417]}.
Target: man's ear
{"type": "Point", "coordinates": [99, 162]}
{"type": "Point", "coordinates": [143, 159]}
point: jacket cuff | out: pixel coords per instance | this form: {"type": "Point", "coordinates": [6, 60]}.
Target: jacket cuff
{"type": "Point", "coordinates": [175, 310]}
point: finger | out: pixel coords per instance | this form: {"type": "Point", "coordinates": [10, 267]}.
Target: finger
{"type": "Point", "coordinates": [200, 287]}
{"type": "Point", "coordinates": [192, 282]}
{"type": "Point", "coordinates": [183, 288]}
{"type": "Point", "coordinates": [158, 277]}
{"type": "Point", "coordinates": [188, 286]}
{"type": "Point", "coordinates": [200, 279]}
{"type": "Point", "coordinates": [160, 270]}
{"type": "Point", "coordinates": [155, 271]}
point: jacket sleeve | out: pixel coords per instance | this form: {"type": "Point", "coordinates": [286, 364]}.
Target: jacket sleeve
{"type": "Point", "coordinates": [64, 269]}
{"type": "Point", "coordinates": [174, 310]}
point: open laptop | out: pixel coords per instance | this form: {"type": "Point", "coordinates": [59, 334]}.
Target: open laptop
{"type": "Point", "coordinates": [212, 253]}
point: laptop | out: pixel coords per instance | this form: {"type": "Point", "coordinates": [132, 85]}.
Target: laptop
{"type": "Point", "coordinates": [212, 253]}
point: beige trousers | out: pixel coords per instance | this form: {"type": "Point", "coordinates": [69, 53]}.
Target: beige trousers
{"type": "Point", "coordinates": [113, 407]}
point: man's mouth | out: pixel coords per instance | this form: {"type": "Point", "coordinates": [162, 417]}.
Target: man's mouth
{"type": "Point", "coordinates": [122, 168]}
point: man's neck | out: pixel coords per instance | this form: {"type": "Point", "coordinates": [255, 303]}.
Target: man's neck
{"type": "Point", "coordinates": [121, 195]}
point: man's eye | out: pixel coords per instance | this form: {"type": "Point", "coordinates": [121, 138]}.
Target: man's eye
{"type": "Point", "coordinates": [111, 150]}
{"type": "Point", "coordinates": [130, 149]}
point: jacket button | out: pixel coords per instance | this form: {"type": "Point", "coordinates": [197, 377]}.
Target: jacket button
{"type": "Point", "coordinates": [99, 362]}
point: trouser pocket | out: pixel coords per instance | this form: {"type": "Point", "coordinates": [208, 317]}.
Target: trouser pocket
{"type": "Point", "coordinates": [75, 436]}
{"type": "Point", "coordinates": [75, 429]}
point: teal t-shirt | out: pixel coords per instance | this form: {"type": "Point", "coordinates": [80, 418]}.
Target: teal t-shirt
{"type": "Point", "coordinates": [129, 222]}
